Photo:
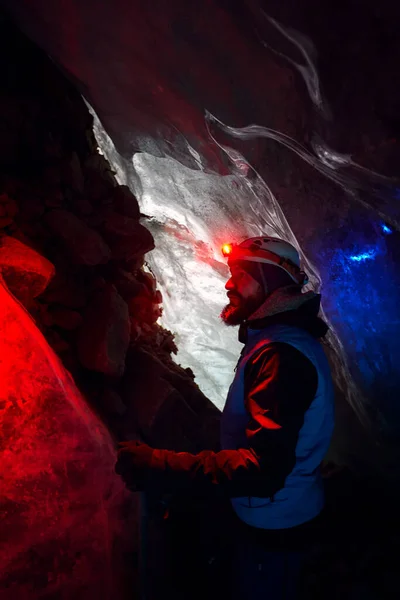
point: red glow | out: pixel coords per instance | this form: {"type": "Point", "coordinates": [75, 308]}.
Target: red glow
{"type": "Point", "coordinates": [227, 249]}
{"type": "Point", "coordinates": [58, 490]}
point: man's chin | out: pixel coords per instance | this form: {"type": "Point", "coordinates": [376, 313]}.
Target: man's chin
{"type": "Point", "coordinates": [233, 315]}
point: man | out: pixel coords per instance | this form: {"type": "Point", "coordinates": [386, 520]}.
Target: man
{"type": "Point", "coordinates": [276, 424]}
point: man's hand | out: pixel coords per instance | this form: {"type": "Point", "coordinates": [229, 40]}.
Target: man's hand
{"type": "Point", "coordinates": [133, 464]}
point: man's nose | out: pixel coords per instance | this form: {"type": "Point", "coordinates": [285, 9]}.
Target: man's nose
{"type": "Point", "coordinates": [229, 285]}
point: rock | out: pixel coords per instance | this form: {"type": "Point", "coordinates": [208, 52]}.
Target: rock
{"type": "Point", "coordinates": [64, 290]}
{"type": "Point", "coordinates": [24, 270]}
{"type": "Point", "coordinates": [144, 387]}
{"type": "Point", "coordinates": [22, 237]}
{"type": "Point", "coordinates": [99, 180]}
{"type": "Point", "coordinates": [168, 406]}
{"type": "Point", "coordinates": [99, 217]}
{"type": "Point", "coordinates": [82, 206]}
{"type": "Point", "coordinates": [135, 264]}
{"type": "Point", "coordinates": [39, 313]}
{"type": "Point", "coordinates": [104, 336]}
{"type": "Point", "coordinates": [72, 174]}
{"type": "Point", "coordinates": [125, 202]}
{"type": "Point", "coordinates": [71, 362]}
{"type": "Point", "coordinates": [97, 284]}
{"type": "Point", "coordinates": [51, 175]}
{"type": "Point", "coordinates": [119, 225]}
{"type": "Point", "coordinates": [54, 198]}
{"type": "Point", "coordinates": [11, 185]}
{"type": "Point", "coordinates": [99, 164]}
{"type": "Point", "coordinates": [149, 280]}
{"type": "Point", "coordinates": [55, 340]}
{"type": "Point", "coordinates": [31, 207]}
{"type": "Point", "coordinates": [83, 244]}
{"type": "Point", "coordinates": [79, 204]}
{"type": "Point", "coordinates": [156, 313]}
{"type": "Point", "coordinates": [11, 120]}
{"type": "Point", "coordinates": [144, 311]}
{"type": "Point", "coordinates": [12, 208]}
{"type": "Point", "coordinates": [53, 149]}
{"type": "Point", "coordinates": [141, 305]}
{"type": "Point", "coordinates": [183, 431]}
{"type": "Point", "coordinates": [165, 341]}
{"type": "Point", "coordinates": [8, 206]}
{"type": "Point", "coordinates": [112, 403]}
{"type": "Point", "coordinates": [65, 318]}
{"type": "Point", "coordinates": [127, 285]}
{"type": "Point", "coordinates": [36, 232]}
{"type": "Point", "coordinates": [5, 221]}
{"type": "Point", "coordinates": [126, 237]}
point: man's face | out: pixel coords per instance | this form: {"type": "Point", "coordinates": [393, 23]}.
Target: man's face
{"type": "Point", "coordinates": [245, 296]}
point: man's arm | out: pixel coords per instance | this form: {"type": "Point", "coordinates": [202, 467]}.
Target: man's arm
{"type": "Point", "coordinates": [280, 384]}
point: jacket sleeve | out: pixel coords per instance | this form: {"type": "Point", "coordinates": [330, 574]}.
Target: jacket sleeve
{"type": "Point", "coordinates": [280, 384]}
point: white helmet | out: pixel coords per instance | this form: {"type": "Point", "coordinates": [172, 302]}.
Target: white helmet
{"type": "Point", "coordinates": [274, 251]}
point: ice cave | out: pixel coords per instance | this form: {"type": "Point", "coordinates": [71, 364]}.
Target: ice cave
{"type": "Point", "coordinates": [136, 139]}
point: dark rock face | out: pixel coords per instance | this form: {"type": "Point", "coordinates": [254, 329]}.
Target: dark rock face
{"type": "Point", "coordinates": [65, 290]}
{"type": "Point", "coordinates": [125, 202]}
{"type": "Point", "coordinates": [69, 529]}
{"type": "Point", "coordinates": [104, 336]}
{"type": "Point", "coordinates": [73, 175]}
{"type": "Point", "coordinates": [127, 285]}
{"type": "Point", "coordinates": [25, 272]}
{"type": "Point", "coordinates": [65, 318]}
{"type": "Point", "coordinates": [127, 238]}
{"type": "Point", "coordinates": [84, 245]}
{"type": "Point", "coordinates": [166, 405]}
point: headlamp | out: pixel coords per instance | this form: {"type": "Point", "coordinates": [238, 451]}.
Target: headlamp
{"type": "Point", "coordinates": [227, 250]}
{"type": "Point", "coordinates": [254, 253]}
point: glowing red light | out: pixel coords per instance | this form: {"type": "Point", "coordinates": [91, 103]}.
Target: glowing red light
{"type": "Point", "coordinates": [59, 492]}
{"type": "Point", "coordinates": [227, 249]}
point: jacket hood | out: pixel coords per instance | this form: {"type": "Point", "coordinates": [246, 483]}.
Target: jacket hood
{"type": "Point", "coordinates": [290, 307]}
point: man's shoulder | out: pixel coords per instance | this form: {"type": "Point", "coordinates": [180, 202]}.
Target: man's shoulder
{"type": "Point", "coordinates": [276, 348]}
{"type": "Point", "coordinates": [281, 357]}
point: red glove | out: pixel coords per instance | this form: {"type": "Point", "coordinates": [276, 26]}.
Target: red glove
{"type": "Point", "coordinates": [134, 464]}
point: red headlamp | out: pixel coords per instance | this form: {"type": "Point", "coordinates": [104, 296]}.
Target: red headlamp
{"type": "Point", "coordinates": [261, 255]}
{"type": "Point", "coordinates": [227, 249]}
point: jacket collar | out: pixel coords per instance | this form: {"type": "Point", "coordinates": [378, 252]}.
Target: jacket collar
{"type": "Point", "coordinates": [281, 300]}
{"type": "Point", "coordinates": [287, 306]}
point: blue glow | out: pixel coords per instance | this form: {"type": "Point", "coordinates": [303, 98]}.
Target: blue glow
{"type": "Point", "coordinates": [386, 229]}
{"type": "Point", "coordinates": [364, 256]}
{"type": "Point", "coordinates": [361, 296]}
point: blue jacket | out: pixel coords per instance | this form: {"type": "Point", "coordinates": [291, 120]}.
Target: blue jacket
{"type": "Point", "coordinates": [275, 427]}
{"type": "Point", "coordinates": [300, 497]}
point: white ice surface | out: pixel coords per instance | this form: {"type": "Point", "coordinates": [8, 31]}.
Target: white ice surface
{"type": "Point", "coordinates": [191, 214]}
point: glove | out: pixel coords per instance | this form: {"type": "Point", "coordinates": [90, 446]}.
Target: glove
{"type": "Point", "coordinates": [134, 464]}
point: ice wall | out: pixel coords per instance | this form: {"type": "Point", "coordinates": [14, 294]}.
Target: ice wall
{"type": "Point", "coordinates": [62, 533]}
{"type": "Point", "coordinates": [298, 109]}
{"type": "Point", "coordinates": [192, 213]}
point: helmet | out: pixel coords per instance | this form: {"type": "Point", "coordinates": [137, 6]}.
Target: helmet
{"type": "Point", "coordinates": [274, 251]}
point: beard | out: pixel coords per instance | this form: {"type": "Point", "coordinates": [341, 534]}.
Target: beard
{"type": "Point", "coordinates": [233, 315]}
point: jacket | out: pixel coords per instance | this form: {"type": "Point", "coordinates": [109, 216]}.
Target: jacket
{"type": "Point", "coordinates": [298, 496]}
{"type": "Point", "coordinates": [279, 386]}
